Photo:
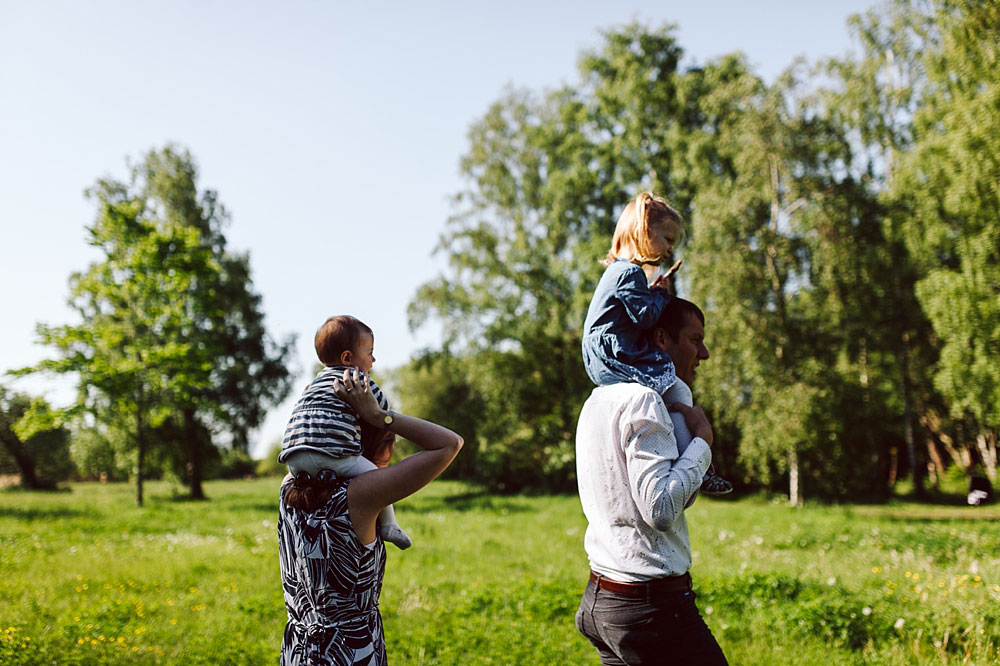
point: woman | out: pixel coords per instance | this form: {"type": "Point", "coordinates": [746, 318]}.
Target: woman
{"type": "Point", "coordinates": [332, 562]}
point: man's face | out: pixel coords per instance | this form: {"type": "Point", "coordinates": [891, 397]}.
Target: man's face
{"type": "Point", "coordinates": [688, 350]}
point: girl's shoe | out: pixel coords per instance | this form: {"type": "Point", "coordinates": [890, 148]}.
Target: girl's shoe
{"type": "Point", "coordinates": [713, 484]}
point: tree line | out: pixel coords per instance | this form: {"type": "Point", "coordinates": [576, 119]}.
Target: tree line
{"type": "Point", "coordinates": [842, 239]}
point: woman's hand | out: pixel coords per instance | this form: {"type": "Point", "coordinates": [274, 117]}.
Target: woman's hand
{"type": "Point", "coordinates": [355, 389]}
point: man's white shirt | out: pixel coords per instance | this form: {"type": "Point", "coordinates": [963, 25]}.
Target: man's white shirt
{"type": "Point", "coordinates": [634, 485]}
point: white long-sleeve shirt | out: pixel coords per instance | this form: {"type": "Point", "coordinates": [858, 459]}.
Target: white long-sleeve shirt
{"type": "Point", "coordinates": [634, 484]}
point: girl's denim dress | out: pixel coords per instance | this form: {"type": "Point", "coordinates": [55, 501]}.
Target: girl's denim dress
{"type": "Point", "coordinates": [615, 348]}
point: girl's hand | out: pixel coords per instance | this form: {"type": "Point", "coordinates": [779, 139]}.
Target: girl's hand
{"type": "Point", "coordinates": [354, 388]}
{"type": "Point", "coordinates": [666, 281]}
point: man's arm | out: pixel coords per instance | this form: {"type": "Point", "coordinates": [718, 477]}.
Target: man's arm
{"type": "Point", "coordinates": [661, 481]}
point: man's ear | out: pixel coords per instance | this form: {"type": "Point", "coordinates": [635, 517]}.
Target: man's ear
{"type": "Point", "coordinates": [659, 337]}
{"type": "Point", "coordinates": [346, 357]}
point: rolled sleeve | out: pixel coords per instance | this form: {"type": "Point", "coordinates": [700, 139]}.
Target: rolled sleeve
{"type": "Point", "coordinates": [662, 481]}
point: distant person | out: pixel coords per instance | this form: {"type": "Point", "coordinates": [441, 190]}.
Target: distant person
{"type": "Point", "coordinates": [980, 491]}
{"type": "Point", "coordinates": [628, 300]}
{"type": "Point", "coordinates": [635, 480]}
{"type": "Point", "coordinates": [332, 558]}
{"type": "Point", "coordinates": [323, 431]}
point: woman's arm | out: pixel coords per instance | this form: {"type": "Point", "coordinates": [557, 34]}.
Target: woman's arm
{"type": "Point", "coordinates": [371, 492]}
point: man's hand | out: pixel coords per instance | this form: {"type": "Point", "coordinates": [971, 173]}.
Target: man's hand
{"type": "Point", "coordinates": [695, 419]}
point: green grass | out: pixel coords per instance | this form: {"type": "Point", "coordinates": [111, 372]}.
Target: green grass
{"type": "Point", "coordinates": [86, 577]}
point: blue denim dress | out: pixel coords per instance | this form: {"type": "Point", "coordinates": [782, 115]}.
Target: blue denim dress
{"type": "Point", "coordinates": [615, 349]}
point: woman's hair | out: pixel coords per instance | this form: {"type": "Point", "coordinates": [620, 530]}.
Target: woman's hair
{"type": "Point", "coordinates": [631, 238]}
{"type": "Point", "coordinates": [337, 335]}
{"type": "Point", "coordinates": [308, 494]}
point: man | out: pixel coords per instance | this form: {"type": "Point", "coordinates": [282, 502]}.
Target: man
{"type": "Point", "coordinates": [634, 485]}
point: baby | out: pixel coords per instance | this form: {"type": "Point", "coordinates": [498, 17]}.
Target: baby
{"type": "Point", "coordinates": [323, 431]}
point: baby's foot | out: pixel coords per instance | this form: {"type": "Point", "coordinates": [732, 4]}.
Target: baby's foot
{"type": "Point", "coordinates": [395, 534]}
{"type": "Point", "coordinates": [713, 484]}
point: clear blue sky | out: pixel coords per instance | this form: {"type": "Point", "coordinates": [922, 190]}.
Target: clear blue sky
{"type": "Point", "coordinates": [331, 130]}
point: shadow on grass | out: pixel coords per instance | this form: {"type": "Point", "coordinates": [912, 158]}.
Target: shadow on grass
{"type": "Point", "coordinates": [926, 512]}
{"type": "Point", "coordinates": [477, 499]}
{"type": "Point", "coordinates": [263, 507]}
{"type": "Point", "coordinates": [36, 513]}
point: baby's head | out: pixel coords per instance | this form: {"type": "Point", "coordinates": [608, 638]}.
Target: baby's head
{"type": "Point", "coordinates": [646, 231]}
{"type": "Point", "coordinates": [345, 340]}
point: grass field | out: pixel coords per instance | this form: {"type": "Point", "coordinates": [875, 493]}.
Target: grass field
{"type": "Point", "coordinates": [88, 578]}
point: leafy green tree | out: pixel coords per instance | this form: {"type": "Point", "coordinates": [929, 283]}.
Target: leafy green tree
{"type": "Point", "coordinates": [32, 443]}
{"type": "Point", "coordinates": [171, 345]}
{"type": "Point", "coordinates": [441, 388]}
{"type": "Point", "coordinates": [950, 183]}
{"type": "Point", "coordinates": [874, 97]}
{"type": "Point", "coordinates": [547, 179]}
{"type": "Point", "coordinates": [511, 291]}
{"type": "Point", "coordinates": [99, 454]}
{"type": "Point", "coordinates": [832, 245]}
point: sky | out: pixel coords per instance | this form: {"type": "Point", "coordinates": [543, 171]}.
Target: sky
{"type": "Point", "coordinates": [332, 132]}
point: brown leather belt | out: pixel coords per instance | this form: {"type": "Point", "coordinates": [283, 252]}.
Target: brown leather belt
{"type": "Point", "coordinates": [668, 584]}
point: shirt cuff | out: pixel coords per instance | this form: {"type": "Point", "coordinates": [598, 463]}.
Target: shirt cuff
{"type": "Point", "coordinates": [700, 451]}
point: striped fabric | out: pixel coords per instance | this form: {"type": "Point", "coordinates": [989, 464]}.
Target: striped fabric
{"type": "Point", "coordinates": [331, 584]}
{"type": "Point", "coordinates": [323, 422]}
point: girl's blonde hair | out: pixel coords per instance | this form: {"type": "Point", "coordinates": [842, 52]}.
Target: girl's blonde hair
{"type": "Point", "coordinates": [631, 238]}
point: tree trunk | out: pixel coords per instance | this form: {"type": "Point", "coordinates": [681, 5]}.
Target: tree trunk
{"type": "Point", "coordinates": [893, 465]}
{"type": "Point", "coordinates": [916, 469]}
{"type": "Point", "coordinates": [24, 463]}
{"type": "Point", "coordinates": [192, 433]}
{"type": "Point", "coordinates": [140, 445]}
{"type": "Point", "coordinates": [936, 460]}
{"type": "Point", "coordinates": [987, 444]}
{"type": "Point", "coordinates": [794, 494]}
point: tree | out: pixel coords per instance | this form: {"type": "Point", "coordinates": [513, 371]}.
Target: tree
{"type": "Point", "coordinates": [171, 345]}
{"type": "Point", "coordinates": [950, 184]}
{"type": "Point", "coordinates": [243, 371]}
{"type": "Point", "coordinates": [441, 388]}
{"type": "Point", "coordinates": [850, 243]}
{"type": "Point", "coordinates": [32, 442]}
{"type": "Point", "coordinates": [547, 178]}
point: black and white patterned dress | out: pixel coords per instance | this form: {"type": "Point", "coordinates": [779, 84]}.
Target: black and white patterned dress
{"type": "Point", "coordinates": [331, 583]}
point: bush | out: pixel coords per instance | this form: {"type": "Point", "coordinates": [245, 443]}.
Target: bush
{"type": "Point", "coordinates": [232, 464]}
{"type": "Point", "coordinates": [33, 442]}
{"type": "Point", "coordinates": [270, 466]}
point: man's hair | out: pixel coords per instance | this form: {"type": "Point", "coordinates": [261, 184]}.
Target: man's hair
{"type": "Point", "coordinates": [337, 335]}
{"type": "Point", "coordinates": [675, 316]}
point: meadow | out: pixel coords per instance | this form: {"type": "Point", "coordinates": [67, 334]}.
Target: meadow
{"type": "Point", "coordinates": [86, 577]}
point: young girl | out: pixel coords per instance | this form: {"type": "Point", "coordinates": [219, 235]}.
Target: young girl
{"type": "Point", "coordinates": [323, 431]}
{"type": "Point", "coordinates": [629, 299]}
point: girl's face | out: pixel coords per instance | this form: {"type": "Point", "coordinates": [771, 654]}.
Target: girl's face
{"type": "Point", "coordinates": [662, 237]}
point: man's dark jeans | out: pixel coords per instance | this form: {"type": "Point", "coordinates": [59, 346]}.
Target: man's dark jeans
{"type": "Point", "coordinates": [663, 629]}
